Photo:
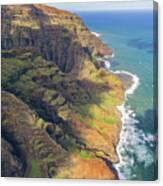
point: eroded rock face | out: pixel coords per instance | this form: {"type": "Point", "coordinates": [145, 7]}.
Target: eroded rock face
{"type": "Point", "coordinates": [11, 164]}
{"type": "Point", "coordinates": [56, 35]}
{"type": "Point", "coordinates": [19, 125]}
{"type": "Point", "coordinates": [43, 157]}
{"type": "Point", "coordinates": [58, 107]}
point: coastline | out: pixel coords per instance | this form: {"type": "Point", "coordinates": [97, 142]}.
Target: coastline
{"type": "Point", "coordinates": [91, 122]}
{"type": "Point", "coordinates": [96, 34]}
{"type": "Point", "coordinates": [85, 139]}
{"type": "Point", "coordinates": [125, 114]}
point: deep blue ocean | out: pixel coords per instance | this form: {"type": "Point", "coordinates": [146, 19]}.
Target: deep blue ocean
{"type": "Point", "coordinates": [130, 35]}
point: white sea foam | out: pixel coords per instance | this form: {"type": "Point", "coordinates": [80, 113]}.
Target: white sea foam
{"type": "Point", "coordinates": [106, 62]}
{"type": "Point", "coordinates": [96, 34]}
{"type": "Point", "coordinates": [133, 141]}
{"type": "Point", "coordinates": [132, 145]}
{"type": "Point", "coordinates": [134, 85]}
{"type": "Point", "coordinates": [113, 55]}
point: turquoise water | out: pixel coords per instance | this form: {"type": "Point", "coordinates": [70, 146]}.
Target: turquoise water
{"type": "Point", "coordinates": [130, 35]}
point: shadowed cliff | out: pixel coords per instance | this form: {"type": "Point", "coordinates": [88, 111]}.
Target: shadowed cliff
{"type": "Point", "coordinates": [63, 120]}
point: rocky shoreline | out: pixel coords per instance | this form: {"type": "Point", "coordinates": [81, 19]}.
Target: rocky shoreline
{"type": "Point", "coordinates": [125, 116]}
{"type": "Point", "coordinates": [130, 82]}
{"type": "Point", "coordinates": [59, 106]}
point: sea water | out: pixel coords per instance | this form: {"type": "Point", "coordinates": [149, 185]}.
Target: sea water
{"type": "Point", "coordinates": [130, 35]}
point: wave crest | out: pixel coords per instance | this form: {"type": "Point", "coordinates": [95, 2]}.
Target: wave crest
{"type": "Point", "coordinates": [133, 147]}
{"type": "Point", "coordinates": [96, 34]}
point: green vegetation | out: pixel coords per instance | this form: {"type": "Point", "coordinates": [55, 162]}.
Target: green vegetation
{"type": "Point", "coordinates": [22, 23]}
{"type": "Point", "coordinates": [94, 60]}
{"type": "Point", "coordinates": [11, 69]}
{"type": "Point", "coordinates": [85, 154]}
{"type": "Point", "coordinates": [94, 57]}
{"type": "Point", "coordinates": [34, 170]}
{"type": "Point", "coordinates": [68, 142]}
{"type": "Point", "coordinates": [94, 112]}
{"type": "Point", "coordinates": [40, 123]}
{"type": "Point", "coordinates": [60, 100]}
{"type": "Point", "coordinates": [56, 108]}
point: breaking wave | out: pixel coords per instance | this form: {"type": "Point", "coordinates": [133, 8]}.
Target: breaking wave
{"type": "Point", "coordinates": [134, 145]}
{"type": "Point", "coordinates": [96, 34]}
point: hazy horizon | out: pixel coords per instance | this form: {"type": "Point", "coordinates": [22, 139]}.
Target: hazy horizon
{"type": "Point", "coordinates": [104, 6]}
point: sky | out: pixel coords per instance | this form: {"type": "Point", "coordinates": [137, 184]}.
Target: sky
{"type": "Point", "coordinates": [102, 6]}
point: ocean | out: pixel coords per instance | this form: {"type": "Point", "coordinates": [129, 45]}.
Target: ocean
{"type": "Point", "coordinates": [130, 35]}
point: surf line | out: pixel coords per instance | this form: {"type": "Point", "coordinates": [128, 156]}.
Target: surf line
{"type": "Point", "coordinates": [96, 34]}
{"type": "Point", "coordinates": [125, 119]}
{"type": "Point", "coordinates": [125, 113]}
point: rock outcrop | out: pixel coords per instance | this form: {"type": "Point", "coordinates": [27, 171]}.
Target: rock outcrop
{"type": "Point", "coordinates": [56, 35]}
{"type": "Point", "coordinates": [58, 106]}
{"type": "Point", "coordinates": [11, 164]}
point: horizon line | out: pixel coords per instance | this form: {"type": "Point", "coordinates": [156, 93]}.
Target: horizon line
{"type": "Point", "coordinates": [104, 5]}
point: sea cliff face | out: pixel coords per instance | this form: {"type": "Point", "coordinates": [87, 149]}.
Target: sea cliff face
{"type": "Point", "coordinates": [59, 107]}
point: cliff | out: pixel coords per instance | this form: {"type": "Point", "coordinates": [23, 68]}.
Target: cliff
{"type": "Point", "coordinates": [59, 115]}
{"type": "Point", "coordinates": [56, 35]}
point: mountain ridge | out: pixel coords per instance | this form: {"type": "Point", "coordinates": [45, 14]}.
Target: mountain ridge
{"type": "Point", "coordinates": [50, 69]}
